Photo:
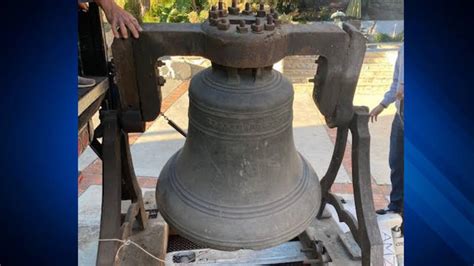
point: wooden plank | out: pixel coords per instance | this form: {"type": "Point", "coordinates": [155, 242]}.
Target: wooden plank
{"type": "Point", "coordinates": [110, 225]}
{"type": "Point", "coordinates": [87, 96]}
{"type": "Point", "coordinates": [87, 115]}
{"type": "Point", "coordinates": [153, 240]}
{"type": "Point", "coordinates": [327, 231]}
{"type": "Point", "coordinates": [351, 245]}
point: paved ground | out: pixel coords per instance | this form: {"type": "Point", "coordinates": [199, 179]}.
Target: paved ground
{"type": "Point", "coordinates": [152, 149]}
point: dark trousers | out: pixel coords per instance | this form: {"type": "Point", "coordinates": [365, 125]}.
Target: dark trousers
{"type": "Point", "coordinates": [396, 164]}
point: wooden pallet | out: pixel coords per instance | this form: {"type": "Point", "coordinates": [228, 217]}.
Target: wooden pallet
{"type": "Point", "coordinates": [156, 237]}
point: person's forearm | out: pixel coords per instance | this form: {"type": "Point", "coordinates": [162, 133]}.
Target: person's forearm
{"type": "Point", "coordinates": [106, 5]}
{"type": "Point", "coordinates": [391, 95]}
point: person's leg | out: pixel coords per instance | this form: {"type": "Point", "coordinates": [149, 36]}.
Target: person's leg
{"type": "Point", "coordinates": [396, 165]}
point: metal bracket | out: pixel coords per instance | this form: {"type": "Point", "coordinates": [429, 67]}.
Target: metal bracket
{"type": "Point", "coordinates": [341, 52]}
{"type": "Point", "coordinates": [364, 228]}
{"type": "Point", "coordinates": [119, 183]}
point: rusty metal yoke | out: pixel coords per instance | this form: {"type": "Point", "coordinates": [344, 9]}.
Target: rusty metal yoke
{"type": "Point", "coordinates": [340, 51]}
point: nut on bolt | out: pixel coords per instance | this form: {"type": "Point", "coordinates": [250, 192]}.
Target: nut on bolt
{"type": "Point", "coordinates": [247, 10]}
{"type": "Point", "coordinates": [213, 16]}
{"type": "Point", "coordinates": [257, 26]}
{"type": "Point", "coordinates": [161, 80]}
{"type": "Point", "coordinates": [222, 13]}
{"type": "Point", "coordinates": [234, 10]}
{"type": "Point", "coordinates": [223, 24]}
{"type": "Point", "coordinates": [242, 27]}
{"type": "Point", "coordinates": [261, 11]}
{"type": "Point", "coordinates": [220, 9]}
{"type": "Point", "coordinates": [160, 63]}
{"type": "Point", "coordinates": [269, 25]}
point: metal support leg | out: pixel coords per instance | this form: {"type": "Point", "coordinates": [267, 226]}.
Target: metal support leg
{"type": "Point", "coordinates": [118, 180]}
{"type": "Point", "coordinates": [368, 232]}
{"type": "Point", "coordinates": [130, 183]}
{"type": "Point", "coordinates": [365, 228]}
{"type": "Point", "coordinates": [111, 189]}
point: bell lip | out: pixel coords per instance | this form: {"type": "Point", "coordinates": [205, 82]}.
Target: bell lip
{"type": "Point", "coordinates": [261, 243]}
{"type": "Point", "coordinates": [232, 246]}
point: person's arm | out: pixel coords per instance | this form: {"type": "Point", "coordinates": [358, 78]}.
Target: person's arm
{"type": "Point", "coordinates": [119, 19]}
{"type": "Point", "coordinates": [401, 76]}
{"type": "Point", "coordinates": [390, 96]}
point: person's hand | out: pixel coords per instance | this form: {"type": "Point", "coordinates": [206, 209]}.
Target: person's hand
{"type": "Point", "coordinates": [119, 19]}
{"type": "Point", "coordinates": [400, 92]}
{"type": "Point", "coordinates": [83, 6]}
{"type": "Point", "coordinates": [375, 112]}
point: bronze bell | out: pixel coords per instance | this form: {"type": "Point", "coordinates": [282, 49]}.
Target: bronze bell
{"type": "Point", "coordinates": [239, 182]}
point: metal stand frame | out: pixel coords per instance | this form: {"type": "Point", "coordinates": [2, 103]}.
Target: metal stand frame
{"type": "Point", "coordinates": [364, 228]}
{"type": "Point", "coordinates": [340, 53]}
{"type": "Point", "coordinates": [119, 183]}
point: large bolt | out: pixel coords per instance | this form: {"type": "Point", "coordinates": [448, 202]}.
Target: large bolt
{"type": "Point", "coordinates": [257, 27]}
{"type": "Point", "coordinates": [220, 9]}
{"type": "Point", "coordinates": [234, 10]}
{"type": "Point", "coordinates": [242, 27]}
{"type": "Point", "coordinates": [223, 24]}
{"type": "Point", "coordinates": [160, 63]}
{"type": "Point", "coordinates": [270, 25]}
{"type": "Point", "coordinates": [213, 15]}
{"type": "Point", "coordinates": [161, 81]}
{"type": "Point", "coordinates": [247, 10]}
{"type": "Point", "coordinates": [275, 19]}
{"type": "Point", "coordinates": [269, 19]}
{"type": "Point", "coordinates": [261, 10]}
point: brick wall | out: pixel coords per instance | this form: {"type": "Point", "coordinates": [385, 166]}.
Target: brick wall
{"type": "Point", "coordinates": [298, 69]}
{"type": "Point", "coordinates": [376, 73]}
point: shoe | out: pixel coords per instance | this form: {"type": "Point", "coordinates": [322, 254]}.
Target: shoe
{"type": "Point", "coordinates": [85, 82]}
{"type": "Point", "coordinates": [385, 211]}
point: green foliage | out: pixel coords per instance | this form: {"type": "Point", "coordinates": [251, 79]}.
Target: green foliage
{"type": "Point", "coordinates": [176, 16]}
{"type": "Point", "coordinates": [120, 2]}
{"type": "Point", "coordinates": [286, 18]}
{"type": "Point", "coordinates": [354, 9]}
{"type": "Point", "coordinates": [196, 11]}
{"type": "Point", "coordinates": [287, 6]}
{"type": "Point", "coordinates": [325, 13]}
{"type": "Point", "coordinates": [195, 17]}
{"type": "Point", "coordinates": [399, 37]}
{"type": "Point", "coordinates": [149, 18]}
{"type": "Point", "coordinates": [203, 5]}
{"type": "Point", "coordinates": [382, 37]}
{"type": "Point", "coordinates": [184, 5]}
{"type": "Point", "coordinates": [171, 11]}
{"type": "Point", "coordinates": [133, 6]}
